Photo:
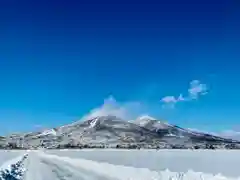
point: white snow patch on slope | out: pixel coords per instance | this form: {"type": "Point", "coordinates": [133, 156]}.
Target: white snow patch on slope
{"type": "Point", "coordinates": [131, 173]}
{"type": "Point", "coordinates": [94, 122]}
{"type": "Point", "coordinates": [48, 132]}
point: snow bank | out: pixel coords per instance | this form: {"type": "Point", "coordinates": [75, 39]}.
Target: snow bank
{"type": "Point", "coordinates": [13, 169]}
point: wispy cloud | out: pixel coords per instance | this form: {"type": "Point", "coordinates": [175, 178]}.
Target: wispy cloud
{"type": "Point", "coordinates": [181, 98]}
{"type": "Point", "coordinates": [196, 89]}
{"type": "Point", "coordinates": [127, 110]}
{"type": "Point", "coordinates": [170, 101]}
{"type": "Point", "coordinates": [132, 109]}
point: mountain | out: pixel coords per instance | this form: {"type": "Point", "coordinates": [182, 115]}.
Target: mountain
{"type": "Point", "coordinates": [168, 131]}
{"type": "Point", "coordinates": [112, 130]}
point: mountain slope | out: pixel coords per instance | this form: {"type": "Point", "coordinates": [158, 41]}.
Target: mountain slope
{"type": "Point", "coordinates": [108, 129]}
{"type": "Point", "coordinates": [167, 130]}
{"type": "Point", "coordinates": [113, 130]}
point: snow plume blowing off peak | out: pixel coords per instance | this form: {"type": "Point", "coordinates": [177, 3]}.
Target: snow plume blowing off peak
{"type": "Point", "coordinates": [110, 107]}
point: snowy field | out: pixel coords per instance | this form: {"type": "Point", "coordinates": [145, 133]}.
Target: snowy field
{"type": "Point", "coordinates": [121, 165]}
{"type": "Point", "coordinates": [207, 161]}
{"type": "Point", "coordinates": [8, 155]}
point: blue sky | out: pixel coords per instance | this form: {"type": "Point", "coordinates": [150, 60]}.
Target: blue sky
{"type": "Point", "coordinates": [60, 59]}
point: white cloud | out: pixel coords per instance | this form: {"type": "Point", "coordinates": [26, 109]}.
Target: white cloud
{"type": "Point", "coordinates": [127, 111]}
{"type": "Point", "coordinates": [181, 98]}
{"type": "Point", "coordinates": [197, 89]}
{"type": "Point", "coordinates": [170, 101]}
{"type": "Point", "coordinates": [132, 109]}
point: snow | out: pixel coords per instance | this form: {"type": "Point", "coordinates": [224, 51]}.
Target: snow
{"type": "Point", "coordinates": [127, 165]}
{"type": "Point", "coordinates": [7, 164]}
{"type": "Point", "coordinates": [13, 169]}
{"type": "Point", "coordinates": [6, 155]}
{"type": "Point", "coordinates": [94, 123]}
{"type": "Point", "coordinates": [205, 161]}
{"type": "Point", "coordinates": [110, 171]}
{"type": "Point", "coordinates": [48, 132]}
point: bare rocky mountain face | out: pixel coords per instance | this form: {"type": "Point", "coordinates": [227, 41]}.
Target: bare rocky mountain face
{"type": "Point", "coordinates": [111, 131]}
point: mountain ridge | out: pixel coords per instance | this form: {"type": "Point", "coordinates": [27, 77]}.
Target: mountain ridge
{"type": "Point", "coordinates": [112, 131]}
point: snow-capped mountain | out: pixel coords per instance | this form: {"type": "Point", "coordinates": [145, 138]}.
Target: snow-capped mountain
{"type": "Point", "coordinates": [151, 123]}
{"type": "Point", "coordinates": [165, 129]}
{"type": "Point", "coordinates": [113, 130]}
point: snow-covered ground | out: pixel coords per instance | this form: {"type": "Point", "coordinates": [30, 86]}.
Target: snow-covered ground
{"type": "Point", "coordinates": [56, 167]}
{"type": "Point", "coordinates": [13, 169]}
{"type": "Point", "coordinates": [207, 161]}
{"type": "Point", "coordinates": [6, 155]}
{"type": "Point", "coordinates": [120, 165]}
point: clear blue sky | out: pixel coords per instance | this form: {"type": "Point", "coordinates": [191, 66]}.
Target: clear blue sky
{"type": "Point", "coordinates": [59, 59]}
